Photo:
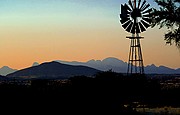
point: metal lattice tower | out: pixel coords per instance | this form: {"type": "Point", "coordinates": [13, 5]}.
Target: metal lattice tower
{"type": "Point", "coordinates": [135, 62]}
{"type": "Point", "coordinates": [135, 18]}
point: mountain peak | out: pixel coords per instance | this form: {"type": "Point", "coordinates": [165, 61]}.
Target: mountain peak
{"type": "Point", "coordinates": [6, 70]}
{"type": "Point", "coordinates": [112, 59]}
{"type": "Point", "coordinates": [35, 64]}
{"type": "Point", "coordinates": [93, 61]}
{"type": "Point", "coordinates": [5, 67]}
{"type": "Point", "coordinates": [153, 65]}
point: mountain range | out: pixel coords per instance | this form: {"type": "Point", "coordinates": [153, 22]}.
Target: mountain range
{"type": "Point", "coordinates": [120, 66]}
{"type": "Point", "coordinates": [103, 65]}
{"type": "Point", "coordinates": [53, 70]}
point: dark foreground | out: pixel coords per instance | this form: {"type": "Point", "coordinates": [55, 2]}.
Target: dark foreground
{"type": "Point", "coordinates": [106, 93]}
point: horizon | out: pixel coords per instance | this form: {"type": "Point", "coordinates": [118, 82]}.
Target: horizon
{"type": "Point", "coordinates": [82, 62]}
{"type": "Point", "coordinates": [74, 30]}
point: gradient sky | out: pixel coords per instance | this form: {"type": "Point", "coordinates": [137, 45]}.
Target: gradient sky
{"type": "Point", "coordinates": [73, 30]}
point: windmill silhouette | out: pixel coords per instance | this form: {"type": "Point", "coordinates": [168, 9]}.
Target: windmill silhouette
{"type": "Point", "coordinates": [135, 18]}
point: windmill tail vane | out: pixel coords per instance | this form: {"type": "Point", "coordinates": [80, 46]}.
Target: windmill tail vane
{"type": "Point", "coordinates": [135, 19]}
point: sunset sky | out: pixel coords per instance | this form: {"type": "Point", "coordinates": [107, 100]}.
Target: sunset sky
{"type": "Point", "coordinates": [73, 30]}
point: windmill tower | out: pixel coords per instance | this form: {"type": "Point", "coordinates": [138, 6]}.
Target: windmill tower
{"type": "Point", "coordinates": [135, 18]}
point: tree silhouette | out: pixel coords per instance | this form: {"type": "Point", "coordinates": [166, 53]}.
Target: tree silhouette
{"type": "Point", "coordinates": [168, 15]}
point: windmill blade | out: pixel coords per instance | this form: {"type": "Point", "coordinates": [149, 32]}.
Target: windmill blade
{"type": "Point", "coordinates": [129, 27]}
{"type": "Point", "coordinates": [147, 20]}
{"type": "Point", "coordinates": [139, 3]}
{"type": "Point", "coordinates": [145, 7]}
{"type": "Point", "coordinates": [127, 7]}
{"type": "Point", "coordinates": [124, 16]}
{"type": "Point", "coordinates": [123, 20]}
{"type": "Point", "coordinates": [126, 24]}
{"type": "Point", "coordinates": [137, 28]}
{"type": "Point", "coordinates": [145, 23]}
{"type": "Point", "coordinates": [130, 3]}
{"type": "Point", "coordinates": [133, 28]}
{"type": "Point", "coordinates": [143, 4]}
{"type": "Point", "coordinates": [124, 12]}
{"type": "Point", "coordinates": [147, 15]}
{"type": "Point", "coordinates": [147, 11]}
{"type": "Point", "coordinates": [142, 27]}
{"type": "Point", "coordinates": [134, 3]}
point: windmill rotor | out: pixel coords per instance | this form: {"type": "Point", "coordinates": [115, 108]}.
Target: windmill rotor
{"type": "Point", "coordinates": [135, 18]}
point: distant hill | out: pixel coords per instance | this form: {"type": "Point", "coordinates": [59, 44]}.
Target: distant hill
{"type": "Point", "coordinates": [53, 70]}
{"type": "Point", "coordinates": [6, 70]}
{"type": "Point", "coordinates": [103, 65]}
{"type": "Point", "coordinates": [35, 64]}
{"type": "Point", "coordinates": [121, 67]}
{"type": "Point", "coordinates": [160, 70]}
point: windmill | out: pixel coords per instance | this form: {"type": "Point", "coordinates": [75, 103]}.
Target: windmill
{"type": "Point", "coordinates": [135, 18]}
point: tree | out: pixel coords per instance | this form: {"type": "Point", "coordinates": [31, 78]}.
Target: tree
{"type": "Point", "coordinates": [168, 15]}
